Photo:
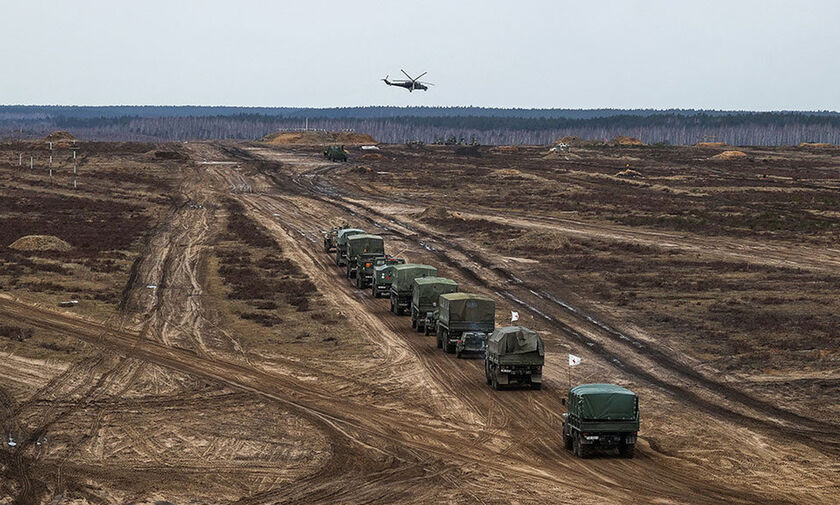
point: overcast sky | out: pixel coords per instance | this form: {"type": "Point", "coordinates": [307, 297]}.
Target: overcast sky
{"type": "Point", "coordinates": [735, 54]}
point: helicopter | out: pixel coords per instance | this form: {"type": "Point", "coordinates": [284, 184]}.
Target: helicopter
{"type": "Point", "coordinates": [410, 84]}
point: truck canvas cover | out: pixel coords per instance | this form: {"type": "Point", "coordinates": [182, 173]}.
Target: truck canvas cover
{"type": "Point", "coordinates": [427, 290]}
{"type": "Point", "coordinates": [603, 402]}
{"type": "Point", "coordinates": [364, 243]}
{"type": "Point", "coordinates": [516, 341]}
{"type": "Point", "coordinates": [467, 307]}
{"type": "Point", "coordinates": [343, 235]}
{"type": "Point", "coordinates": [403, 275]}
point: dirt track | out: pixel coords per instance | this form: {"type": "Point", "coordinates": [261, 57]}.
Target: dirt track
{"type": "Point", "coordinates": [169, 391]}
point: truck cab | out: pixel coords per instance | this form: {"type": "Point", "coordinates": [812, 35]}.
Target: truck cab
{"type": "Point", "coordinates": [361, 250]}
{"type": "Point", "coordinates": [383, 270]}
{"type": "Point", "coordinates": [341, 238]}
{"type": "Point", "coordinates": [601, 417]}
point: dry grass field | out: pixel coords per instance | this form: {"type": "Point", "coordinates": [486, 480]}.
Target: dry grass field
{"type": "Point", "coordinates": [215, 354]}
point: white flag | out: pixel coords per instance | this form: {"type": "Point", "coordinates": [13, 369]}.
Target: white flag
{"type": "Point", "coordinates": [573, 360]}
{"type": "Point", "coordinates": [514, 316]}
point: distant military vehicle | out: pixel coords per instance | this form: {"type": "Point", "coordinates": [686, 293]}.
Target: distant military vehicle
{"type": "Point", "coordinates": [425, 292]}
{"type": "Point", "coordinates": [361, 250]}
{"type": "Point", "coordinates": [401, 283]}
{"type": "Point", "coordinates": [383, 270]}
{"type": "Point", "coordinates": [601, 416]}
{"type": "Point", "coordinates": [515, 355]}
{"type": "Point", "coordinates": [471, 342]}
{"type": "Point", "coordinates": [460, 312]}
{"type": "Point", "coordinates": [331, 235]}
{"type": "Point", "coordinates": [341, 244]}
{"type": "Point", "coordinates": [335, 153]}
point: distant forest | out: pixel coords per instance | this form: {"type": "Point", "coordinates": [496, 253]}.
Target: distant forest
{"type": "Point", "coordinates": [427, 124]}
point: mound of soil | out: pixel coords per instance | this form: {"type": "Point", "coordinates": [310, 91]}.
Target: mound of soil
{"type": "Point", "coordinates": [436, 213]}
{"type": "Point", "coordinates": [815, 144]}
{"type": "Point", "coordinates": [710, 144]}
{"type": "Point", "coordinates": [372, 156]}
{"type": "Point", "coordinates": [729, 155]}
{"type": "Point", "coordinates": [317, 137]}
{"type": "Point", "coordinates": [40, 243]}
{"type": "Point", "coordinates": [505, 149]}
{"type": "Point", "coordinates": [629, 173]}
{"type": "Point", "coordinates": [623, 140]}
{"type": "Point", "coordinates": [542, 241]}
{"type": "Point", "coordinates": [170, 155]}
{"type": "Point", "coordinates": [59, 136]}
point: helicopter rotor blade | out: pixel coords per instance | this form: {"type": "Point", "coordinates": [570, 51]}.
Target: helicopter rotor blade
{"type": "Point", "coordinates": [406, 74]}
{"type": "Point", "coordinates": [421, 75]}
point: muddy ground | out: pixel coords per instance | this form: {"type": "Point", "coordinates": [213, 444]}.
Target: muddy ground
{"type": "Point", "coordinates": [216, 355]}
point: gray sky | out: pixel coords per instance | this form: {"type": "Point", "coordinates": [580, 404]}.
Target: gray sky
{"type": "Point", "coordinates": [736, 54]}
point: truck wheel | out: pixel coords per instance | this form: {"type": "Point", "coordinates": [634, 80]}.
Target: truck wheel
{"type": "Point", "coordinates": [486, 373]}
{"type": "Point", "coordinates": [536, 385]}
{"type": "Point", "coordinates": [567, 442]}
{"type": "Point", "coordinates": [439, 341]}
{"type": "Point", "coordinates": [413, 324]}
{"type": "Point", "coordinates": [426, 331]}
{"type": "Point", "coordinates": [457, 353]}
{"type": "Point", "coordinates": [576, 446]}
{"type": "Point", "coordinates": [494, 382]}
{"type": "Point", "coordinates": [392, 305]}
{"type": "Point", "coordinates": [627, 450]}
{"type": "Point", "coordinates": [419, 326]}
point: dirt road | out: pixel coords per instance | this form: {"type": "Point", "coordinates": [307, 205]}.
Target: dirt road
{"type": "Point", "coordinates": [171, 403]}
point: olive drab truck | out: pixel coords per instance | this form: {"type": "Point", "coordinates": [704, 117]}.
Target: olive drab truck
{"type": "Point", "coordinates": [383, 270]}
{"type": "Point", "coordinates": [341, 244]}
{"type": "Point", "coordinates": [401, 283]}
{"type": "Point", "coordinates": [361, 250]}
{"type": "Point", "coordinates": [460, 312]}
{"type": "Point", "coordinates": [425, 292]}
{"type": "Point", "coordinates": [335, 153]}
{"type": "Point", "coordinates": [515, 355]}
{"type": "Point", "coordinates": [599, 417]}
{"type": "Point", "coordinates": [330, 237]}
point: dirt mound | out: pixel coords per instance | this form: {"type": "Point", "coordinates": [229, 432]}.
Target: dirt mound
{"type": "Point", "coordinates": [40, 243]}
{"type": "Point", "coordinates": [59, 136]}
{"type": "Point", "coordinates": [623, 140]}
{"type": "Point", "coordinates": [437, 213]}
{"type": "Point", "coordinates": [710, 144]}
{"type": "Point", "coordinates": [543, 241]}
{"type": "Point", "coordinates": [815, 144]}
{"type": "Point", "coordinates": [629, 173]}
{"type": "Point", "coordinates": [372, 156]}
{"type": "Point", "coordinates": [505, 149]}
{"type": "Point", "coordinates": [317, 137]}
{"type": "Point", "coordinates": [729, 155]}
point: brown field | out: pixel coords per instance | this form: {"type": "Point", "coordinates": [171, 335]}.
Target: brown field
{"type": "Point", "coordinates": [217, 355]}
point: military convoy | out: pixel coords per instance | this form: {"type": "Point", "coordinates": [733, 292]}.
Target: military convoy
{"type": "Point", "coordinates": [599, 417]}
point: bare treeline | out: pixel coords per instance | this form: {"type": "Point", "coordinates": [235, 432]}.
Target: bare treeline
{"type": "Point", "coordinates": [672, 128]}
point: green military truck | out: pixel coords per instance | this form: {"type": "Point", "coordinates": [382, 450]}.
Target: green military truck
{"type": "Point", "coordinates": [335, 153]}
{"type": "Point", "coordinates": [425, 292]}
{"type": "Point", "coordinates": [515, 355]}
{"type": "Point", "coordinates": [330, 237]}
{"type": "Point", "coordinates": [383, 270]}
{"type": "Point", "coordinates": [460, 312]}
{"type": "Point", "coordinates": [601, 416]}
{"type": "Point", "coordinates": [401, 283]}
{"type": "Point", "coordinates": [361, 251]}
{"type": "Point", "coordinates": [341, 244]}
{"type": "Point", "coordinates": [471, 342]}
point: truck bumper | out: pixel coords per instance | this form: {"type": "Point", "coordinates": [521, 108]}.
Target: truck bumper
{"type": "Point", "coordinates": [511, 378]}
